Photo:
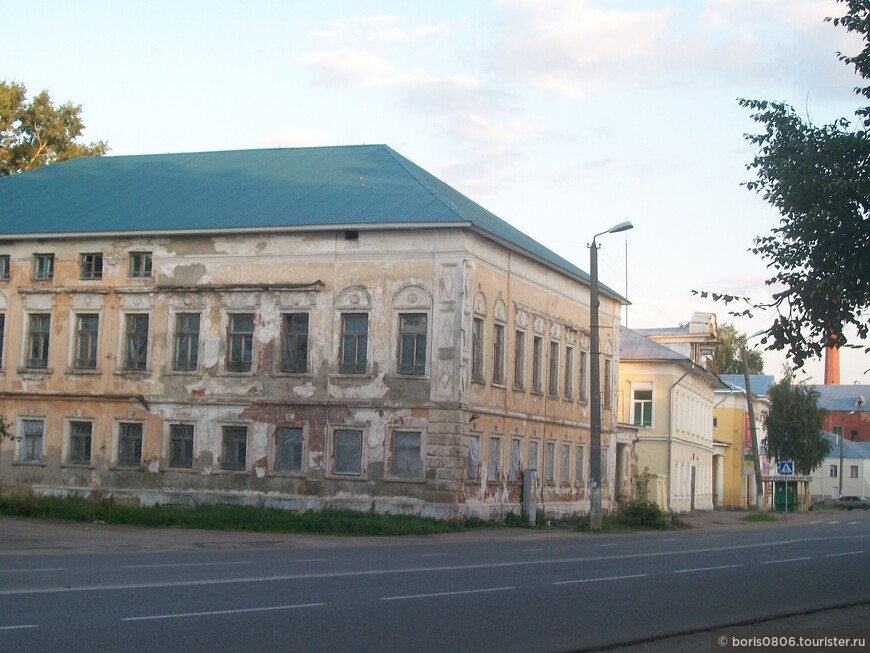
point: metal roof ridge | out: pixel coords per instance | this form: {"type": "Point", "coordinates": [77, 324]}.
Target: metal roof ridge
{"type": "Point", "coordinates": [398, 158]}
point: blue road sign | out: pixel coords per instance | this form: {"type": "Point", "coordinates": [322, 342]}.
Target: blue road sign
{"type": "Point", "coordinates": [785, 468]}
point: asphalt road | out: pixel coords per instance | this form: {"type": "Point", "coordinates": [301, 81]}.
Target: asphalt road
{"type": "Point", "coordinates": [491, 590]}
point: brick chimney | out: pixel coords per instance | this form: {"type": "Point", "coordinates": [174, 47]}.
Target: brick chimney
{"type": "Point", "coordinates": [832, 366]}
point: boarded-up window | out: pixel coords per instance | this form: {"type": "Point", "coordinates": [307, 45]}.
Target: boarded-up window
{"type": "Point", "coordinates": [348, 452]}
{"type": "Point", "coordinates": [406, 454]}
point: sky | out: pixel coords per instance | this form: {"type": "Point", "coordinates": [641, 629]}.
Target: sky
{"type": "Point", "coordinates": [562, 117]}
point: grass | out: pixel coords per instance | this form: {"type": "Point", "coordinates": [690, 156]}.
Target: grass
{"type": "Point", "coordinates": [227, 518]}
{"type": "Point", "coordinates": [762, 516]}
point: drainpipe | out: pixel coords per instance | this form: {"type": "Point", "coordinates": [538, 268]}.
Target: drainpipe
{"type": "Point", "coordinates": [671, 434]}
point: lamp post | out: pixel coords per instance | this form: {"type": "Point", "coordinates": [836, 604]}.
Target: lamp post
{"type": "Point", "coordinates": [595, 380]}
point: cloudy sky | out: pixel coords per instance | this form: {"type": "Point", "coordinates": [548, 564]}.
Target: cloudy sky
{"type": "Point", "coordinates": [563, 117]}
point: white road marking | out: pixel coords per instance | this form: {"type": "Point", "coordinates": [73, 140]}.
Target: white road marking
{"type": "Point", "coordinates": [689, 571]}
{"type": "Point", "coordinates": [776, 562]}
{"type": "Point", "coordinates": [848, 553]}
{"type": "Point", "coordinates": [596, 580]}
{"type": "Point", "coordinates": [610, 544]}
{"type": "Point", "coordinates": [434, 555]}
{"type": "Point", "coordinates": [427, 596]}
{"type": "Point", "coordinates": [17, 627]}
{"type": "Point", "coordinates": [187, 564]}
{"type": "Point", "coordinates": [184, 615]}
{"type": "Point", "coordinates": [21, 571]}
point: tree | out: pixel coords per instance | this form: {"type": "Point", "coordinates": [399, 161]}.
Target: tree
{"type": "Point", "coordinates": [818, 178]}
{"type": "Point", "coordinates": [37, 133]}
{"type": "Point", "coordinates": [794, 425]}
{"type": "Point", "coordinates": [728, 358]}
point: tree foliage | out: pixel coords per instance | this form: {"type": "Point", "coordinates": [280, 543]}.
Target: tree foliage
{"type": "Point", "coordinates": [38, 133]}
{"type": "Point", "coordinates": [794, 425]}
{"type": "Point", "coordinates": [818, 178]}
{"type": "Point", "coordinates": [5, 430]}
{"type": "Point", "coordinates": [728, 357]}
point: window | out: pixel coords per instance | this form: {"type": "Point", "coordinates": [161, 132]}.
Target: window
{"type": "Point", "coordinates": [534, 456]}
{"type": "Point", "coordinates": [140, 265]}
{"type": "Point", "coordinates": [136, 341]}
{"type": "Point", "coordinates": [80, 442]}
{"type": "Point", "coordinates": [288, 450]}
{"type": "Point", "coordinates": [565, 466]}
{"type": "Point", "coordinates": [412, 343]}
{"type": "Point", "coordinates": [516, 458]}
{"type": "Point", "coordinates": [553, 380]}
{"type": "Point", "coordinates": [31, 440]}
{"type": "Point", "coordinates": [477, 349]}
{"type": "Point", "coordinates": [38, 340]}
{"type": "Point", "coordinates": [241, 342]}
{"type": "Point", "coordinates": [348, 452]}
{"type": "Point", "coordinates": [519, 360]}
{"type": "Point", "coordinates": [473, 456]}
{"type": "Point", "coordinates": [295, 354]}
{"type": "Point", "coordinates": [584, 379]}
{"type": "Point", "coordinates": [853, 471]}
{"type": "Point", "coordinates": [641, 405]}
{"type": "Point", "coordinates": [581, 464]}
{"type": "Point", "coordinates": [4, 267]}
{"type": "Point", "coordinates": [186, 342]}
{"type": "Point", "coordinates": [537, 363]}
{"type": "Point", "coordinates": [129, 443]}
{"type": "Point", "coordinates": [832, 471]}
{"type": "Point", "coordinates": [181, 445]}
{"type": "Point", "coordinates": [92, 266]}
{"type": "Point", "coordinates": [43, 267]}
{"type": "Point", "coordinates": [607, 388]}
{"type": "Point", "coordinates": [550, 462]}
{"type": "Point", "coordinates": [498, 354]}
{"type": "Point", "coordinates": [2, 333]}
{"type": "Point", "coordinates": [407, 461]}
{"type": "Point", "coordinates": [235, 447]}
{"type": "Point", "coordinates": [354, 343]}
{"type": "Point", "coordinates": [87, 332]}
{"type": "Point", "coordinates": [493, 470]}
{"type": "Point", "coordinates": [569, 372]}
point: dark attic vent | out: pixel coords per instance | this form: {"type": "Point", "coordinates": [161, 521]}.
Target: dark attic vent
{"type": "Point", "coordinates": [351, 234]}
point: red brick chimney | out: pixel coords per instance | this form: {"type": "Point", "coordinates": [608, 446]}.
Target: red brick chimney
{"type": "Point", "coordinates": [832, 366]}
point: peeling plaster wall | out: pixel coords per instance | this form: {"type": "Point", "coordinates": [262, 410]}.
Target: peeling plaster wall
{"type": "Point", "coordinates": [438, 273]}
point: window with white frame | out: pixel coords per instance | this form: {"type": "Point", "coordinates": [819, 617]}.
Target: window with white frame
{"type": "Point", "coordinates": [477, 349]}
{"type": "Point", "coordinates": [139, 266]}
{"type": "Point", "coordinates": [553, 380]}
{"type": "Point", "coordinates": [568, 390]}
{"type": "Point", "coordinates": [288, 449]}
{"type": "Point", "coordinates": [473, 456]}
{"type": "Point", "coordinates": [80, 436]}
{"type": "Point", "coordinates": [550, 463]}
{"type": "Point", "coordinates": [853, 471]}
{"type": "Point", "coordinates": [406, 456]}
{"type": "Point", "coordinates": [181, 446]}
{"type": "Point", "coordinates": [5, 268]}
{"type": "Point", "coordinates": [498, 354]}
{"type": "Point", "coordinates": [354, 343]}
{"type": "Point", "coordinates": [538, 365]}
{"type": "Point", "coordinates": [234, 448]}
{"type": "Point", "coordinates": [130, 444]}
{"type": "Point", "coordinates": [642, 404]}
{"type": "Point", "coordinates": [516, 458]}
{"type": "Point", "coordinates": [584, 377]}
{"type": "Point", "coordinates": [294, 358]}
{"type": "Point", "coordinates": [580, 468]}
{"type": "Point", "coordinates": [32, 439]}
{"type": "Point", "coordinates": [186, 356]}
{"type": "Point", "coordinates": [38, 338]}
{"type": "Point", "coordinates": [43, 267]}
{"type": "Point", "coordinates": [565, 463]}
{"type": "Point", "coordinates": [91, 266]}
{"type": "Point", "coordinates": [136, 341]}
{"type": "Point", "coordinates": [535, 455]}
{"type": "Point", "coordinates": [607, 382]}
{"type": "Point", "coordinates": [348, 445]}
{"type": "Point", "coordinates": [832, 471]}
{"type": "Point", "coordinates": [87, 338]}
{"type": "Point", "coordinates": [240, 344]}
{"type": "Point", "coordinates": [412, 343]}
{"type": "Point", "coordinates": [493, 470]}
{"type": "Point", "coordinates": [519, 360]}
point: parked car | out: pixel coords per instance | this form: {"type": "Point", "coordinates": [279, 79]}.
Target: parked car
{"type": "Point", "coordinates": [847, 503]}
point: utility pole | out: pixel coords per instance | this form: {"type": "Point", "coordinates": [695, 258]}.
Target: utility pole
{"type": "Point", "coordinates": [759, 485]}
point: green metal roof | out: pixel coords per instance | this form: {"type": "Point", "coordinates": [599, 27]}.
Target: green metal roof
{"type": "Point", "coordinates": [347, 187]}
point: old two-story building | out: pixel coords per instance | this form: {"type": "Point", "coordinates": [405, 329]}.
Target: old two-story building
{"type": "Point", "coordinates": [666, 388]}
{"type": "Point", "coordinates": [291, 327]}
{"type": "Point", "coordinates": [735, 483]}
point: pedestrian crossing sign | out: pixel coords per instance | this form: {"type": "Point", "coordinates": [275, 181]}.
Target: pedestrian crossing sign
{"type": "Point", "coordinates": [785, 468]}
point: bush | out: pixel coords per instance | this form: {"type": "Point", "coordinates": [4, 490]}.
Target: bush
{"type": "Point", "coordinates": [643, 514]}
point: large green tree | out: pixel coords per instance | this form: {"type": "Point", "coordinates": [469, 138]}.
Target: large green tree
{"type": "Point", "coordinates": [794, 425]}
{"type": "Point", "coordinates": [729, 359]}
{"type": "Point", "coordinates": [36, 133]}
{"type": "Point", "coordinates": [818, 178]}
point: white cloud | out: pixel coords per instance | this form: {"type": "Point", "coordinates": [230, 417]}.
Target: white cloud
{"type": "Point", "coordinates": [351, 66]}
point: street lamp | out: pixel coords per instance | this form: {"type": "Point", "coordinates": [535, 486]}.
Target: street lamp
{"type": "Point", "coordinates": [595, 380]}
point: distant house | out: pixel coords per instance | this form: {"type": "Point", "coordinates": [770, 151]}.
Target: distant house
{"type": "Point", "coordinates": [853, 472]}
{"type": "Point", "coordinates": [732, 439]}
{"type": "Point", "coordinates": [847, 412]}
{"type": "Point", "coordinates": [296, 328]}
{"type": "Point", "coordinates": [666, 390]}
